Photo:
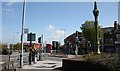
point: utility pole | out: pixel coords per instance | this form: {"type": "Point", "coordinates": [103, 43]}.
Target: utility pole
{"type": "Point", "coordinates": [42, 41]}
{"type": "Point", "coordinates": [42, 47]}
{"type": "Point", "coordinates": [22, 34]}
{"type": "Point", "coordinates": [96, 13]}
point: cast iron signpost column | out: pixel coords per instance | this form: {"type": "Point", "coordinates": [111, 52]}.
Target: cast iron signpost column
{"type": "Point", "coordinates": [96, 13]}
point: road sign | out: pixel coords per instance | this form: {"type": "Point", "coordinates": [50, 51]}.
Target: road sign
{"type": "Point", "coordinates": [26, 30]}
{"type": "Point", "coordinates": [31, 37]}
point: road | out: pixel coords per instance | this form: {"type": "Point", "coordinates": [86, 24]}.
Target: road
{"type": "Point", "coordinates": [14, 57]}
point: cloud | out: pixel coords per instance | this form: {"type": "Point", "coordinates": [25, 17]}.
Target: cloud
{"type": "Point", "coordinates": [58, 34]}
{"type": "Point", "coordinates": [8, 10]}
{"type": "Point", "coordinates": [9, 3]}
{"type": "Point", "coordinates": [8, 7]}
{"type": "Point", "coordinates": [50, 27]}
{"type": "Point", "coordinates": [55, 33]}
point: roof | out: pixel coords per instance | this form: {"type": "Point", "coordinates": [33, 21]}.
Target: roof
{"type": "Point", "coordinates": [79, 33]}
{"type": "Point", "coordinates": [107, 29]}
{"type": "Point", "coordinates": [72, 36]}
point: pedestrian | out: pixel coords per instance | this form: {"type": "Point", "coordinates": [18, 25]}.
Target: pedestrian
{"type": "Point", "coordinates": [33, 55]}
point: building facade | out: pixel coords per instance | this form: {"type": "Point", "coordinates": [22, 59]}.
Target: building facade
{"type": "Point", "coordinates": [71, 42]}
{"type": "Point", "coordinates": [111, 38]}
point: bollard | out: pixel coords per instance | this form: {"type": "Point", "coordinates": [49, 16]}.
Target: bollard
{"type": "Point", "coordinates": [20, 60]}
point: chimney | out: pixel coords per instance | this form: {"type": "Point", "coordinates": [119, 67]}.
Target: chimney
{"type": "Point", "coordinates": [115, 25]}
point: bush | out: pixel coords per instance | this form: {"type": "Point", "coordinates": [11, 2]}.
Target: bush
{"type": "Point", "coordinates": [109, 61]}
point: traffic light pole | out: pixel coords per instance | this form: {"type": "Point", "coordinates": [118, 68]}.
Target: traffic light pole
{"type": "Point", "coordinates": [30, 40]}
{"type": "Point", "coordinates": [30, 53]}
{"type": "Point", "coordinates": [40, 40]}
{"type": "Point", "coordinates": [42, 47]}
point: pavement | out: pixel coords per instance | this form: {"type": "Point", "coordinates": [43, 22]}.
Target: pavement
{"type": "Point", "coordinates": [47, 64]}
{"type": "Point", "coordinates": [44, 65]}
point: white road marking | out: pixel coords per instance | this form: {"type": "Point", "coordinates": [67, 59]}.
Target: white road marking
{"type": "Point", "coordinates": [2, 62]}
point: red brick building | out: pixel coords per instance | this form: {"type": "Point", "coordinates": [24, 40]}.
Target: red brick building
{"type": "Point", "coordinates": [111, 36]}
{"type": "Point", "coordinates": [70, 42]}
{"type": "Point", "coordinates": [34, 45]}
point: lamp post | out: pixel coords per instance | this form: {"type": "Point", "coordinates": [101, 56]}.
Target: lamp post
{"type": "Point", "coordinates": [22, 33]}
{"type": "Point", "coordinates": [17, 34]}
{"type": "Point", "coordinates": [64, 34]}
{"type": "Point", "coordinates": [96, 13]}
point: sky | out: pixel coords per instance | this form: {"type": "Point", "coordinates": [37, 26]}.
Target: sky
{"type": "Point", "coordinates": [53, 20]}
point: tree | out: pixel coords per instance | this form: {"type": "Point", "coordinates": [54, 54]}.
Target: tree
{"type": "Point", "coordinates": [17, 46]}
{"type": "Point", "coordinates": [0, 45]}
{"type": "Point", "coordinates": [88, 30]}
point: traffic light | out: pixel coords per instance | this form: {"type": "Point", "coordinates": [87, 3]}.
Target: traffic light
{"type": "Point", "coordinates": [57, 44]}
{"type": "Point", "coordinates": [39, 40]}
{"type": "Point", "coordinates": [53, 45]}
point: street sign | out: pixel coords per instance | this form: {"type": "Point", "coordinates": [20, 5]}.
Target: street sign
{"type": "Point", "coordinates": [31, 37]}
{"type": "Point", "coordinates": [26, 30]}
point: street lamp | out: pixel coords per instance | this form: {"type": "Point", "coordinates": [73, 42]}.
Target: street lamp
{"type": "Point", "coordinates": [17, 34]}
{"type": "Point", "coordinates": [22, 33]}
{"type": "Point", "coordinates": [96, 13]}
{"type": "Point", "coordinates": [64, 33]}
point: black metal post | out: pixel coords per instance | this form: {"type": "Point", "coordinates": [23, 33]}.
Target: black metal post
{"type": "Point", "coordinates": [30, 50]}
{"type": "Point", "coordinates": [21, 54]}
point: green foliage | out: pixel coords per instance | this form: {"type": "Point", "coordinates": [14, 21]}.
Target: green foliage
{"type": "Point", "coordinates": [0, 45]}
{"type": "Point", "coordinates": [89, 31]}
{"type": "Point", "coordinates": [17, 46]}
{"type": "Point", "coordinates": [59, 44]}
